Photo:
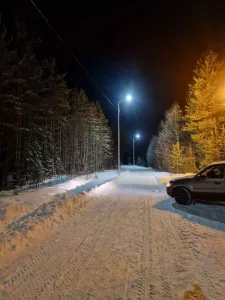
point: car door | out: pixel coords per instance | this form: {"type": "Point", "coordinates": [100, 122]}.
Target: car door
{"type": "Point", "coordinates": [210, 183]}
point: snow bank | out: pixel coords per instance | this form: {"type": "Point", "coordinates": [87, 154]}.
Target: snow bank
{"type": "Point", "coordinates": [29, 221]}
{"type": "Point", "coordinates": [132, 167]}
{"type": "Point", "coordinates": [135, 168]}
{"type": "Point", "coordinates": [31, 229]}
{"type": "Point", "coordinates": [12, 207]}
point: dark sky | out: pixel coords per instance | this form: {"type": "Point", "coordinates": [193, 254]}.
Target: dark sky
{"type": "Point", "coordinates": [147, 47]}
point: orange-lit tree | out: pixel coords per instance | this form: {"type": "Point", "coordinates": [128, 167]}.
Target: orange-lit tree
{"type": "Point", "coordinates": [204, 120]}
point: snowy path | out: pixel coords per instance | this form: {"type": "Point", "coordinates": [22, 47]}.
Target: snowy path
{"type": "Point", "coordinates": [130, 243]}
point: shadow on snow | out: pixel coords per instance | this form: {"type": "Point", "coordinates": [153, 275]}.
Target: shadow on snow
{"type": "Point", "coordinates": [212, 216]}
{"type": "Point", "coordinates": [143, 187]}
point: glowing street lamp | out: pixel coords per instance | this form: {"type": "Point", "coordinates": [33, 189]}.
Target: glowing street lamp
{"type": "Point", "coordinates": [137, 136]}
{"type": "Point", "coordinates": [128, 99]}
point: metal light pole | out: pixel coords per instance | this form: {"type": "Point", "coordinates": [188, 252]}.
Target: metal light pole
{"type": "Point", "coordinates": [137, 136]}
{"type": "Point", "coordinates": [128, 98]}
{"type": "Point", "coordinates": [119, 138]}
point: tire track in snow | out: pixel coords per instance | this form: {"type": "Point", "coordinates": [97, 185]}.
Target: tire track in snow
{"type": "Point", "coordinates": [63, 235]}
{"type": "Point", "coordinates": [161, 287]}
{"type": "Point", "coordinates": [116, 259]}
{"type": "Point", "coordinates": [189, 240]}
{"type": "Point", "coordinates": [147, 243]}
{"type": "Point", "coordinates": [205, 279]}
{"type": "Point", "coordinates": [74, 266]}
{"type": "Point", "coordinates": [150, 246]}
{"type": "Point", "coordinates": [144, 282]}
{"type": "Point", "coordinates": [150, 254]}
{"type": "Point", "coordinates": [140, 211]}
{"type": "Point", "coordinates": [52, 256]}
{"type": "Point", "coordinates": [78, 267]}
{"type": "Point", "coordinates": [164, 259]}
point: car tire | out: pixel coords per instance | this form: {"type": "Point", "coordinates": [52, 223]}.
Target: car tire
{"type": "Point", "coordinates": [183, 196]}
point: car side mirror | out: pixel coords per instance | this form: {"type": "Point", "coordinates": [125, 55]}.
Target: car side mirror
{"type": "Point", "coordinates": [197, 177]}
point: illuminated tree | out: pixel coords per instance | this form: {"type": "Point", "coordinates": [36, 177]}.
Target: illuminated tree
{"type": "Point", "coordinates": [150, 155]}
{"type": "Point", "coordinates": [177, 158]}
{"type": "Point", "coordinates": [169, 133]}
{"type": "Point", "coordinates": [204, 122]}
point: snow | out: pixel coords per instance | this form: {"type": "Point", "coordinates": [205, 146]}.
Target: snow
{"type": "Point", "coordinates": [134, 167]}
{"type": "Point", "coordinates": [125, 239]}
{"type": "Point", "coordinates": [13, 206]}
{"type": "Point", "coordinates": [204, 214]}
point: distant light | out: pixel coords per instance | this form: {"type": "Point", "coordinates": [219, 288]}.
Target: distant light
{"type": "Point", "coordinates": [129, 98]}
{"type": "Point", "coordinates": [137, 136]}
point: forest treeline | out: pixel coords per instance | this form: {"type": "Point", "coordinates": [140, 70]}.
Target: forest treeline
{"type": "Point", "coordinates": [190, 138]}
{"type": "Point", "coordinates": [46, 129]}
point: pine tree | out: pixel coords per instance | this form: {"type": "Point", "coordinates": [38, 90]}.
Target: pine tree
{"type": "Point", "coordinates": [151, 153]}
{"type": "Point", "coordinates": [89, 136]}
{"type": "Point", "coordinates": [204, 122]}
{"type": "Point", "coordinates": [20, 94]}
{"type": "Point", "coordinates": [169, 133]}
{"type": "Point", "coordinates": [34, 163]}
{"type": "Point", "coordinates": [46, 129]}
{"type": "Point", "coordinates": [189, 163]}
{"type": "Point", "coordinates": [54, 108]}
{"type": "Point", "coordinates": [171, 149]}
{"type": "Point", "coordinates": [7, 58]}
{"type": "Point", "coordinates": [140, 162]}
{"type": "Point", "coordinates": [177, 158]}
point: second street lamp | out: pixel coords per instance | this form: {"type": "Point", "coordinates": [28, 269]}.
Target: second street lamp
{"type": "Point", "coordinates": [137, 136]}
{"type": "Point", "coordinates": [128, 99]}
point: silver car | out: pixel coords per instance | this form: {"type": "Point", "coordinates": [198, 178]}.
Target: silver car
{"type": "Point", "coordinates": [208, 184]}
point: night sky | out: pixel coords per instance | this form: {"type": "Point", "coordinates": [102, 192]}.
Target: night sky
{"type": "Point", "coordinates": [148, 48]}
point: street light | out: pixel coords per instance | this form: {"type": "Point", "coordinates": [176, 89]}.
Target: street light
{"type": "Point", "coordinates": [128, 99]}
{"type": "Point", "coordinates": [137, 136]}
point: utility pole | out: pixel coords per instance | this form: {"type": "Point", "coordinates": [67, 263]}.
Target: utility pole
{"type": "Point", "coordinates": [137, 136]}
{"type": "Point", "coordinates": [128, 99]}
{"type": "Point", "coordinates": [119, 138]}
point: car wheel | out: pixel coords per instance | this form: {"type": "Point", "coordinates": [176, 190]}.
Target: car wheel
{"type": "Point", "coordinates": [183, 196]}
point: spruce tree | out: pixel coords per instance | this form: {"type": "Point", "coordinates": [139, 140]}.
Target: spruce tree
{"type": "Point", "coordinates": [151, 153]}
{"type": "Point", "coordinates": [46, 129]}
{"type": "Point", "coordinates": [204, 122]}
{"type": "Point", "coordinates": [177, 158]}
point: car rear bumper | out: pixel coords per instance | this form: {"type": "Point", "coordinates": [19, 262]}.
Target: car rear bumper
{"type": "Point", "coordinates": [169, 191]}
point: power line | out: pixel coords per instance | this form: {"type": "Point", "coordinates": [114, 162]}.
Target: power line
{"type": "Point", "coordinates": [72, 54]}
{"type": "Point", "coordinates": [79, 63]}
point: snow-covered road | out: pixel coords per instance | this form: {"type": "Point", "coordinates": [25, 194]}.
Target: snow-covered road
{"type": "Point", "coordinates": [131, 242]}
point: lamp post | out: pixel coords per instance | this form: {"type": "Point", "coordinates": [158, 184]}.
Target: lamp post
{"type": "Point", "coordinates": [137, 136]}
{"type": "Point", "coordinates": [128, 98]}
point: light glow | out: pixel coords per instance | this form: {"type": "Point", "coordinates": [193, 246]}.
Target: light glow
{"type": "Point", "coordinates": [129, 98]}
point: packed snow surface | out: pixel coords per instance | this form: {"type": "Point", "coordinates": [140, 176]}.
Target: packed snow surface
{"type": "Point", "coordinates": [123, 240]}
{"type": "Point", "coordinates": [14, 206]}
